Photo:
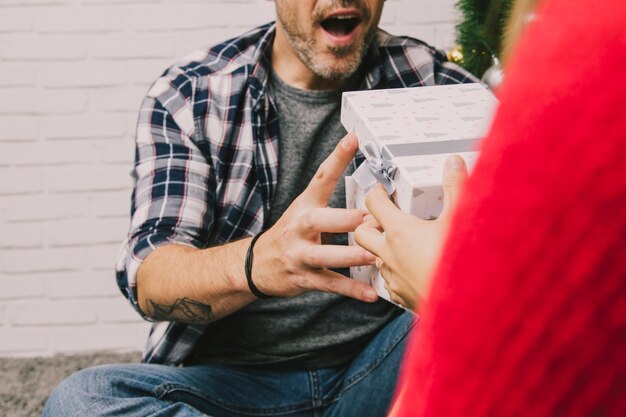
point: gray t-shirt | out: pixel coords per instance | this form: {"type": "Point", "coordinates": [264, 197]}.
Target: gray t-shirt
{"type": "Point", "coordinates": [315, 329]}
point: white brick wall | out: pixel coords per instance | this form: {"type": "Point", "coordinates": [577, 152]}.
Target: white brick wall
{"type": "Point", "coordinates": [72, 76]}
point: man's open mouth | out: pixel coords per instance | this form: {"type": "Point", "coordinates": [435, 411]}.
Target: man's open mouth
{"type": "Point", "coordinates": [340, 25]}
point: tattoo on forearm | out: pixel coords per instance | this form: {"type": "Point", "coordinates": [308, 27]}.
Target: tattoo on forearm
{"type": "Point", "coordinates": [184, 309]}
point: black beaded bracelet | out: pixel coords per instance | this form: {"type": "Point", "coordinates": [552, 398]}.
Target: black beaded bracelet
{"type": "Point", "coordinates": [249, 258]}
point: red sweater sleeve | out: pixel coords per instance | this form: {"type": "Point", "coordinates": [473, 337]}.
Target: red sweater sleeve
{"type": "Point", "coordinates": [527, 314]}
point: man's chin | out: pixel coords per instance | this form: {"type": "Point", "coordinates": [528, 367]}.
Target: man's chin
{"type": "Point", "coordinates": [338, 67]}
{"type": "Point", "coordinates": [335, 74]}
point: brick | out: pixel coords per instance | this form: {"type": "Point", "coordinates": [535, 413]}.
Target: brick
{"type": "Point", "coordinates": [15, 20]}
{"type": "Point", "coordinates": [423, 32]}
{"type": "Point", "coordinates": [17, 75]}
{"type": "Point", "coordinates": [203, 39]}
{"type": "Point", "coordinates": [48, 153]}
{"type": "Point", "coordinates": [122, 2]}
{"type": "Point", "coordinates": [70, 152]}
{"type": "Point", "coordinates": [21, 287]}
{"type": "Point", "coordinates": [111, 204]}
{"type": "Point", "coordinates": [85, 284]}
{"type": "Point", "coordinates": [77, 19]}
{"type": "Point", "coordinates": [23, 340]}
{"type": "Point", "coordinates": [134, 46]}
{"type": "Point", "coordinates": [37, 313]}
{"type": "Point", "coordinates": [84, 74]}
{"type": "Point", "coordinates": [444, 36]}
{"type": "Point", "coordinates": [428, 11]}
{"type": "Point", "coordinates": [118, 99]}
{"type": "Point", "coordinates": [91, 178]}
{"type": "Point", "coordinates": [19, 236]}
{"type": "Point", "coordinates": [158, 18]}
{"type": "Point", "coordinates": [27, 261]}
{"type": "Point", "coordinates": [249, 16]}
{"type": "Point", "coordinates": [117, 310]}
{"type": "Point", "coordinates": [216, 1]}
{"type": "Point", "coordinates": [203, 15]}
{"type": "Point", "coordinates": [144, 72]}
{"type": "Point", "coordinates": [44, 207]}
{"type": "Point", "coordinates": [44, 48]}
{"type": "Point", "coordinates": [30, 2]}
{"type": "Point", "coordinates": [20, 181]}
{"type": "Point", "coordinates": [101, 125]}
{"type": "Point", "coordinates": [30, 101]}
{"type": "Point", "coordinates": [119, 152]}
{"type": "Point", "coordinates": [131, 336]}
{"type": "Point", "coordinates": [5, 158]}
{"type": "Point", "coordinates": [389, 16]}
{"type": "Point", "coordinates": [18, 128]}
{"type": "Point", "coordinates": [103, 257]}
{"type": "Point", "coordinates": [86, 232]}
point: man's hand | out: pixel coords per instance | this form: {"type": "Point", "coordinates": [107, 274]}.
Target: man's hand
{"type": "Point", "coordinates": [408, 247]}
{"type": "Point", "coordinates": [289, 258]}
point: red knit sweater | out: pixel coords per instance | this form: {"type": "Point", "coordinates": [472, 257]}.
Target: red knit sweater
{"type": "Point", "coordinates": [527, 314]}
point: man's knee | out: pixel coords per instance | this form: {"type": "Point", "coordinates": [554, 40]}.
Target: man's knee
{"type": "Point", "coordinates": [74, 396]}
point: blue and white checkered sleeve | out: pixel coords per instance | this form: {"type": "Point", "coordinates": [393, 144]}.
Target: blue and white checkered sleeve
{"type": "Point", "coordinates": [172, 200]}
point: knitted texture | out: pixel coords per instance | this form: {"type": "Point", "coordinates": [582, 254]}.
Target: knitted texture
{"type": "Point", "coordinates": [527, 314]}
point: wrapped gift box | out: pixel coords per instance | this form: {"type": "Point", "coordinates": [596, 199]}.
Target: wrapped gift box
{"type": "Point", "coordinates": [406, 136]}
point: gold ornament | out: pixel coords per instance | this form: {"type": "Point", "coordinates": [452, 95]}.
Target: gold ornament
{"type": "Point", "coordinates": [455, 55]}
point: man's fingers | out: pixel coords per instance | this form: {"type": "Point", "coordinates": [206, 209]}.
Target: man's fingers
{"type": "Point", "coordinates": [370, 238]}
{"type": "Point", "coordinates": [454, 176]}
{"type": "Point", "coordinates": [337, 256]}
{"type": "Point", "coordinates": [333, 282]}
{"type": "Point", "coordinates": [381, 207]}
{"type": "Point", "coordinates": [325, 179]}
{"type": "Point", "coordinates": [369, 220]}
{"type": "Point", "coordinates": [331, 220]}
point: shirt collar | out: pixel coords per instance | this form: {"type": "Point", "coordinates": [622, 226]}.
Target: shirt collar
{"type": "Point", "coordinates": [259, 72]}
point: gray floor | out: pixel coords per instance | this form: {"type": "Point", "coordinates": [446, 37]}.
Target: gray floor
{"type": "Point", "coordinates": [26, 383]}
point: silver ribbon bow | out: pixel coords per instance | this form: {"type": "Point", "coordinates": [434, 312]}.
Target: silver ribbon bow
{"type": "Point", "coordinates": [380, 166]}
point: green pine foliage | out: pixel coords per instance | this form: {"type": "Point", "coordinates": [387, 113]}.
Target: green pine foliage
{"type": "Point", "coordinates": [480, 32]}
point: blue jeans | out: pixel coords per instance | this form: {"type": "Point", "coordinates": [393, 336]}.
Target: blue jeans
{"type": "Point", "coordinates": [362, 388]}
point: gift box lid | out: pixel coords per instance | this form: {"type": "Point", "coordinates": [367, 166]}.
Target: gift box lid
{"type": "Point", "coordinates": [419, 120]}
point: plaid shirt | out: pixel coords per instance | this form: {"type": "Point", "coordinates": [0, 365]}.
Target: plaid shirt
{"type": "Point", "coordinates": [206, 159]}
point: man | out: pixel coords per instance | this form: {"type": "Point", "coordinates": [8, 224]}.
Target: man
{"type": "Point", "coordinates": [264, 326]}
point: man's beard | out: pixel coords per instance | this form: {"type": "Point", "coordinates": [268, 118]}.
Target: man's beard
{"type": "Point", "coordinates": [304, 43]}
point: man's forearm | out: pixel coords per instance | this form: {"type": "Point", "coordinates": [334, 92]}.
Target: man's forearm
{"type": "Point", "coordinates": [180, 283]}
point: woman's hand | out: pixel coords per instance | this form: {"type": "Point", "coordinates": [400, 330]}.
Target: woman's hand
{"type": "Point", "coordinates": [408, 248]}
